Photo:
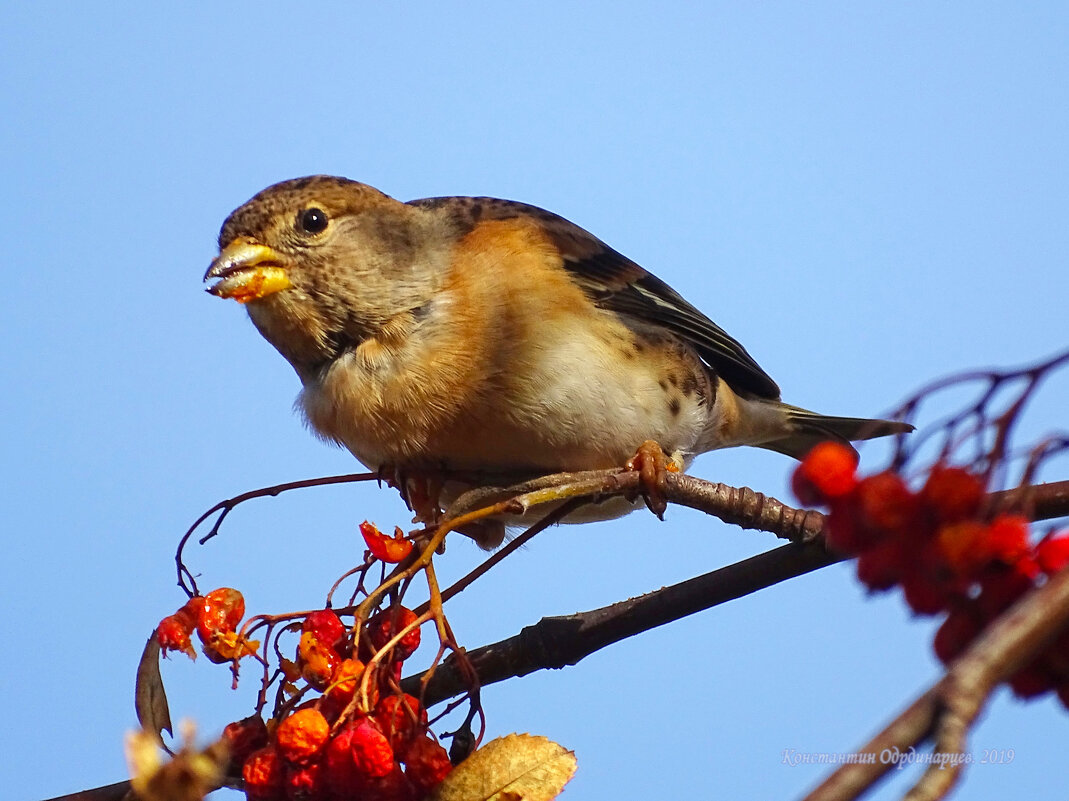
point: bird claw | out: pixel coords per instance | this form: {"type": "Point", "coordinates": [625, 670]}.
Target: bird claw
{"type": "Point", "coordinates": [419, 491]}
{"type": "Point", "coordinates": [653, 467]}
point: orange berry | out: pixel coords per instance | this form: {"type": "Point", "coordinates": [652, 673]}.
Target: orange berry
{"type": "Point", "coordinates": [305, 782]}
{"type": "Point", "coordinates": [302, 735]}
{"type": "Point", "coordinates": [426, 763]}
{"type": "Point", "coordinates": [263, 775]}
{"type": "Point", "coordinates": [952, 493]}
{"type": "Point", "coordinates": [316, 660]}
{"type": "Point", "coordinates": [826, 472]}
{"type": "Point", "coordinates": [388, 549]}
{"type": "Point", "coordinates": [964, 545]}
{"type": "Point", "coordinates": [220, 610]}
{"type": "Point", "coordinates": [346, 681]}
{"type": "Point", "coordinates": [400, 718]}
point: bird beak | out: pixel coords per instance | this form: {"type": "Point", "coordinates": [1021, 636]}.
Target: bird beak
{"type": "Point", "coordinates": [247, 271]}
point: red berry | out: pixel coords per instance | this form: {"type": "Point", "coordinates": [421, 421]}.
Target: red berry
{"type": "Point", "coordinates": [384, 625]}
{"type": "Point", "coordinates": [952, 494]}
{"type": "Point", "coordinates": [1031, 681]}
{"type": "Point", "coordinates": [1000, 587]}
{"type": "Point", "coordinates": [888, 505]}
{"type": "Point", "coordinates": [387, 549]}
{"type": "Point", "coordinates": [426, 763]}
{"type": "Point", "coordinates": [327, 627]}
{"type": "Point", "coordinates": [957, 632]}
{"type": "Point", "coordinates": [342, 777]}
{"type": "Point", "coordinates": [1052, 554]}
{"type": "Point", "coordinates": [882, 566]}
{"type": "Point", "coordinates": [302, 735]}
{"type": "Point", "coordinates": [371, 751]}
{"type": "Point", "coordinates": [394, 786]}
{"type": "Point", "coordinates": [305, 782]}
{"type": "Point", "coordinates": [262, 772]}
{"type": "Point", "coordinates": [826, 472]}
{"type": "Point", "coordinates": [173, 634]}
{"type": "Point", "coordinates": [925, 594]}
{"type": "Point", "coordinates": [1007, 538]}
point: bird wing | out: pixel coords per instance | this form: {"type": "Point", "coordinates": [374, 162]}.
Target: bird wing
{"type": "Point", "coordinates": [616, 283]}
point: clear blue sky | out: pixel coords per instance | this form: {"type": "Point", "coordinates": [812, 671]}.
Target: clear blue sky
{"type": "Point", "coordinates": [867, 195]}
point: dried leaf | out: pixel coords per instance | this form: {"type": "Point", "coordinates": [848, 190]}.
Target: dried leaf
{"type": "Point", "coordinates": [517, 767]}
{"type": "Point", "coordinates": [150, 699]}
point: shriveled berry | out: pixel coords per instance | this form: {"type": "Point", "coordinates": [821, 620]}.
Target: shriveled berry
{"type": "Point", "coordinates": [173, 634]}
{"type": "Point", "coordinates": [263, 775]}
{"type": "Point", "coordinates": [384, 625]}
{"type": "Point", "coordinates": [341, 775]}
{"type": "Point", "coordinates": [826, 472]}
{"type": "Point", "coordinates": [426, 763]}
{"type": "Point", "coordinates": [401, 719]}
{"type": "Point", "coordinates": [243, 737]}
{"type": "Point", "coordinates": [317, 660]}
{"type": "Point", "coordinates": [394, 786]}
{"type": "Point", "coordinates": [371, 751]}
{"type": "Point", "coordinates": [302, 735]}
{"type": "Point", "coordinates": [222, 610]}
{"type": "Point", "coordinates": [305, 782]}
{"type": "Point", "coordinates": [327, 627]}
{"type": "Point", "coordinates": [346, 681]}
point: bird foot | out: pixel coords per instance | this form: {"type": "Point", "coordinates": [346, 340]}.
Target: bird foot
{"type": "Point", "coordinates": [420, 492]}
{"type": "Point", "coordinates": [653, 467]}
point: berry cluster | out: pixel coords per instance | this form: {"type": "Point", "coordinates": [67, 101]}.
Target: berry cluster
{"type": "Point", "coordinates": [947, 552]}
{"type": "Point", "coordinates": [361, 738]}
{"type": "Point", "coordinates": [215, 618]}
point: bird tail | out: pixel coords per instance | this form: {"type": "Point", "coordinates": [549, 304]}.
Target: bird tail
{"type": "Point", "coordinates": [807, 428]}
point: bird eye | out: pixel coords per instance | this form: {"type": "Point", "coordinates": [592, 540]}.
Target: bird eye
{"type": "Point", "coordinates": [312, 221]}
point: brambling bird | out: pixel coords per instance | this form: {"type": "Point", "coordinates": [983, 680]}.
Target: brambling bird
{"type": "Point", "coordinates": [484, 335]}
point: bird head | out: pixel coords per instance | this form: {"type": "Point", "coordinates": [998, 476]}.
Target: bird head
{"type": "Point", "coordinates": [321, 263]}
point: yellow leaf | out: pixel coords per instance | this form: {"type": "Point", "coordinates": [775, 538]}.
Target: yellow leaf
{"type": "Point", "coordinates": [517, 767]}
